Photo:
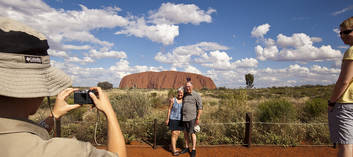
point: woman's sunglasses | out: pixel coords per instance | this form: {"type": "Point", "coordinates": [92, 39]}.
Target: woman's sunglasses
{"type": "Point", "coordinates": [346, 31]}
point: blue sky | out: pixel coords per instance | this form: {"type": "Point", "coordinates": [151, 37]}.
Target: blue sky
{"type": "Point", "coordinates": [283, 43]}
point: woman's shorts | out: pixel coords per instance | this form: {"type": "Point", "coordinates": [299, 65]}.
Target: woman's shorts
{"type": "Point", "coordinates": [340, 120]}
{"type": "Point", "coordinates": [175, 125]}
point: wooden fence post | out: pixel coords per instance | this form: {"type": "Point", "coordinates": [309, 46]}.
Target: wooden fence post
{"type": "Point", "coordinates": [155, 134]}
{"type": "Point", "coordinates": [248, 129]}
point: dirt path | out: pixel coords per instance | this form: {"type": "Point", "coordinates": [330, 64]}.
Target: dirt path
{"type": "Point", "coordinates": [237, 151]}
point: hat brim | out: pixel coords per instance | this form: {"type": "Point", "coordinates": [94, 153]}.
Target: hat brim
{"type": "Point", "coordinates": [31, 83]}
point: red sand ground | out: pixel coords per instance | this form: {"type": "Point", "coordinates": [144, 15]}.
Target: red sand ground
{"type": "Point", "coordinates": [237, 151]}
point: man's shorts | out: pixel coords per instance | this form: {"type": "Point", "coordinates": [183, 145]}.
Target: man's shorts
{"type": "Point", "coordinates": [341, 123]}
{"type": "Point", "coordinates": [189, 126]}
{"type": "Point", "coordinates": [176, 125]}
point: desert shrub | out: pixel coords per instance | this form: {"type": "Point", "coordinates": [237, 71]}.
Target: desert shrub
{"type": "Point", "coordinates": [317, 134]}
{"type": "Point", "coordinates": [77, 114]}
{"type": "Point", "coordinates": [154, 94]}
{"type": "Point", "coordinates": [159, 101]}
{"type": "Point", "coordinates": [276, 110]}
{"type": "Point", "coordinates": [105, 85]}
{"type": "Point", "coordinates": [313, 109]}
{"type": "Point", "coordinates": [221, 88]}
{"type": "Point", "coordinates": [136, 129]}
{"type": "Point", "coordinates": [278, 134]}
{"type": "Point", "coordinates": [232, 107]}
{"type": "Point", "coordinates": [131, 105]}
{"type": "Point", "coordinates": [85, 131]}
{"type": "Point", "coordinates": [172, 93]}
{"type": "Point", "coordinates": [213, 134]}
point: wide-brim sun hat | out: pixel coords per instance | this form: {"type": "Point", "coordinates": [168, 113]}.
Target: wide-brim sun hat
{"type": "Point", "coordinates": [25, 69]}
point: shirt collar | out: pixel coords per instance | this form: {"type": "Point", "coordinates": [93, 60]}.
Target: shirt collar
{"type": "Point", "coordinates": [19, 126]}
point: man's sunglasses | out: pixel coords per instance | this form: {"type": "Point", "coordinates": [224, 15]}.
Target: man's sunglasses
{"type": "Point", "coordinates": [346, 31]}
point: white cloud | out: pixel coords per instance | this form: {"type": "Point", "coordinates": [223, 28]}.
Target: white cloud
{"type": "Point", "coordinates": [76, 47]}
{"type": "Point", "coordinates": [221, 61]}
{"type": "Point", "coordinates": [162, 33]}
{"type": "Point", "coordinates": [260, 31]}
{"type": "Point", "coordinates": [170, 13]}
{"type": "Point", "coordinates": [162, 24]}
{"type": "Point", "coordinates": [216, 60]}
{"type": "Point", "coordinates": [107, 54]}
{"type": "Point", "coordinates": [298, 47]}
{"type": "Point", "coordinates": [82, 61]}
{"type": "Point", "coordinates": [292, 75]}
{"type": "Point", "coordinates": [59, 25]}
{"type": "Point", "coordinates": [57, 53]}
{"type": "Point", "coordinates": [246, 63]}
{"type": "Point", "coordinates": [122, 68]}
{"type": "Point", "coordinates": [337, 31]}
{"type": "Point", "coordinates": [343, 46]}
{"type": "Point", "coordinates": [316, 39]}
{"type": "Point", "coordinates": [343, 10]}
{"type": "Point", "coordinates": [182, 55]}
{"type": "Point", "coordinates": [90, 76]}
{"type": "Point", "coordinates": [192, 69]}
{"type": "Point", "coordinates": [270, 51]}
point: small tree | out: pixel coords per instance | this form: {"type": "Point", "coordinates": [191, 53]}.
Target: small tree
{"type": "Point", "coordinates": [105, 85]}
{"type": "Point", "coordinates": [249, 78]}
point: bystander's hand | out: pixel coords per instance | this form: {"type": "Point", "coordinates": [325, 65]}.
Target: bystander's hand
{"type": "Point", "coordinates": [167, 122]}
{"type": "Point", "coordinates": [61, 107]}
{"type": "Point", "coordinates": [329, 108]}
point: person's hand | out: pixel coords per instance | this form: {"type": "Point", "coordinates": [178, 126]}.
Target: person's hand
{"type": "Point", "coordinates": [166, 122]}
{"type": "Point", "coordinates": [197, 122]}
{"type": "Point", "coordinates": [329, 108]}
{"type": "Point", "coordinates": [61, 107]}
{"type": "Point", "coordinates": [102, 103]}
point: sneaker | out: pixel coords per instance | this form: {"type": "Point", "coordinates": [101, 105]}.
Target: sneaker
{"type": "Point", "coordinates": [193, 153]}
{"type": "Point", "coordinates": [185, 150]}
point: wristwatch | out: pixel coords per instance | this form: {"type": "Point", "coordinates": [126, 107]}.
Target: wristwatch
{"type": "Point", "coordinates": [332, 104]}
{"type": "Point", "coordinates": [44, 124]}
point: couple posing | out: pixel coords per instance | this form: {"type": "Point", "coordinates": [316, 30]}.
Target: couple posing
{"type": "Point", "coordinates": [183, 115]}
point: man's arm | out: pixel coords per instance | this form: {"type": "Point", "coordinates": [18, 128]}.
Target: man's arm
{"type": "Point", "coordinates": [199, 109]}
{"type": "Point", "coordinates": [116, 142]}
{"type": "Point", "coordinates": [60, 108]}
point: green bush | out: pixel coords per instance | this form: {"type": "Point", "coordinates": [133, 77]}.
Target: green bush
{"type": "Point", "coordinates": [172, 93]}
{"type": "Point", "coordinates": [105, 85]}
{"type": "Point", "coordinates": [232, 107]}
{"type": "Point", "coordinates": [313, 109]}
{"type": "Point", "coordinates": [276, 110]}
{"type": "Point", "coordinates": [278, 134]}
{"type": "Point", "coordinates": [132, 105]}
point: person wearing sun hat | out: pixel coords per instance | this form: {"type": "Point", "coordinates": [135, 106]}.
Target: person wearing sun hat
{"type": "Point", "coordinates": [26, 77]}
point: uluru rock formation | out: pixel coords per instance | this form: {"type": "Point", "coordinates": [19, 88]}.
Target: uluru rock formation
{"type": "Point", "coordinates": [165, 79]}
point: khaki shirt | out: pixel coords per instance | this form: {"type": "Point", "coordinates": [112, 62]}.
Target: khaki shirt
{"type": "Point", "coordinates": [25, 138]}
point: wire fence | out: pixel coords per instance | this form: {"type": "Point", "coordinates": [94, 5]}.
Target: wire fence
{"type": "Point", "coordinates": [248, 133]}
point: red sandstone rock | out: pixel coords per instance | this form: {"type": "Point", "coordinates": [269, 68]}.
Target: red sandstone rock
{"type": "Point", "coordinates": [165, 79]}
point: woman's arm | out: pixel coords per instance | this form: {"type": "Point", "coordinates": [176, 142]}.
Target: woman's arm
{"type": "Point", "coordinates": [343, 81]}
{"type": "Point", "coordinates": [169, 110]}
